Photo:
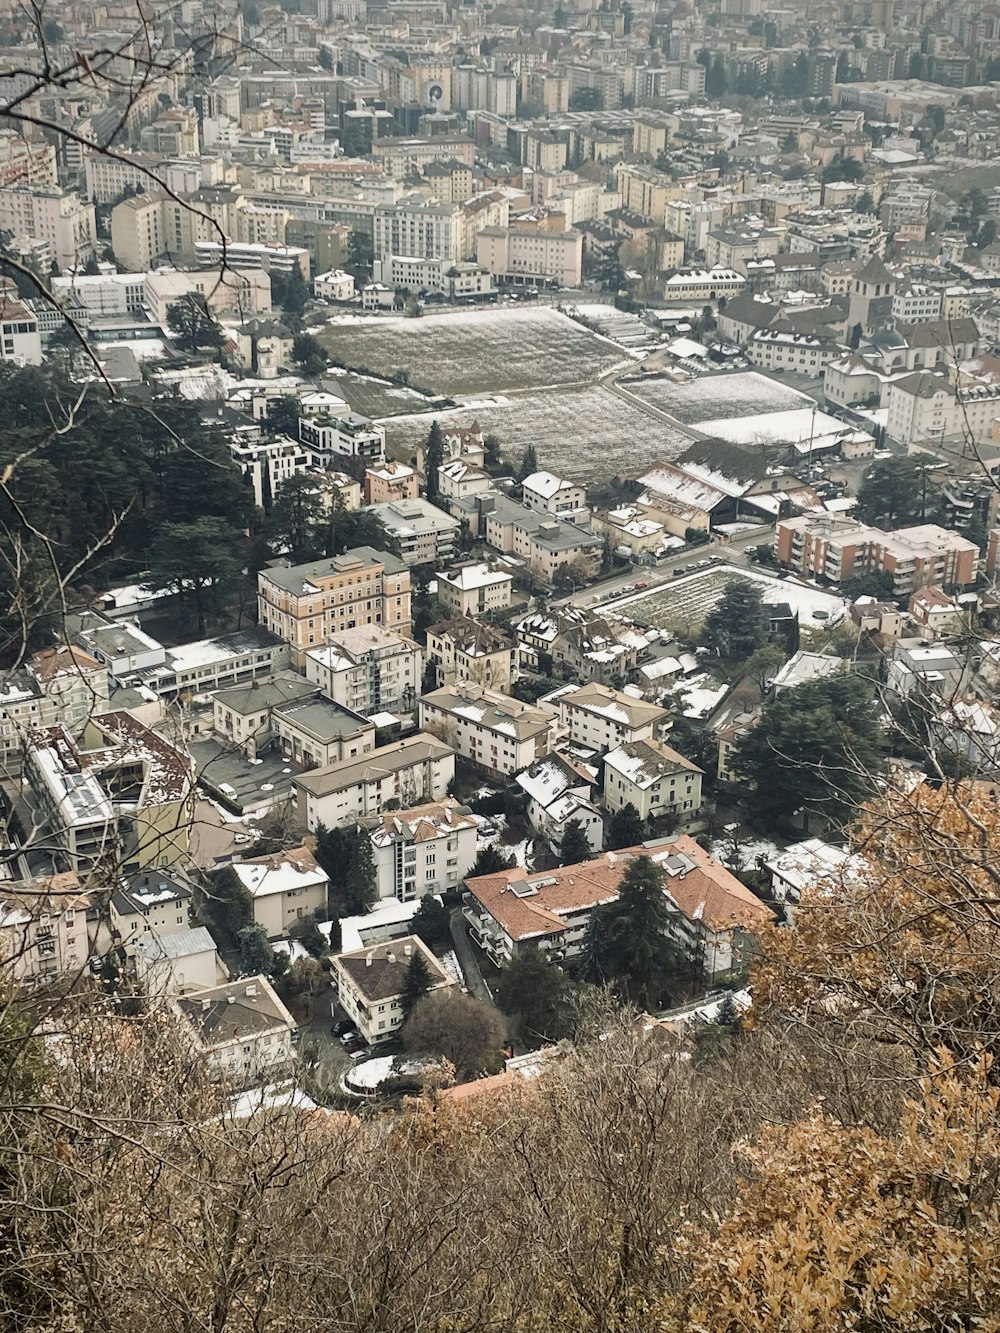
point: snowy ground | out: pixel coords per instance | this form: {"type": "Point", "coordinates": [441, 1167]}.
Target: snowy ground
{"type": "Point", "coordinates": [588, 434]}
{"type": "Point", "coordinates": [744, 851]}
{"type": "Point", "coordinates": [685, 603]}
{"type": "Point", "coordinates": [801, 423]}
{"type": "Point", "coordinates": [700, 695]}
{"type": "Point", "coordinates": [716, 397]}
{"type": "Point", "coordinates": [475, 351]}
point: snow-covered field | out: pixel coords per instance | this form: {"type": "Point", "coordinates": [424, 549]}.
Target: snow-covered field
{"type": "Point", "coordinates": [588, 434]}
{"type": "Point", "coordinates": [716, 397]}
{"type": "Point", "coordinates": [800, 423]}
{"type": "Point", "coordinates": [475, 351]}
{"type": "Point", "coordinates": [684, 604]}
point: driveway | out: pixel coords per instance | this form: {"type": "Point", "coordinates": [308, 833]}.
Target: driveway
{"type": "Point", "coordinates": [467, 959]}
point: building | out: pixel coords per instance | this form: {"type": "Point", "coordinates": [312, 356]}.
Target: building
{"type": "Point", "coordinates": [122, 793]}
{"type": "Point", "coordinates": [925, 667]}
{"type": "Point", "coordinates": [390, 482]}
{"type": "Point", "coordinates": [370, 983]}
{"type": "Point", "coordinates": [151, 903]}
{"type": "Point", "coordinates": [547, 494]}
{"type": "Point", "coordinates": [285, 887]}
{"type": "Point", "coordinates": [837, 548]}
{"type": "Point", "coordinates": [473, 589]}
{"type": "Point", "coordinates": [560, 791]}
{"type": "Point", "coordinates": [501, 734]}
{"type": "Point", "coordinates": [429, 849]}
{"type": "Point", "coordinates": [714, 917]}
{"type": "Point", "coordinates": [419, 531]}
{"type": "Point", "coordinates": [602, 718]}
{"type": "Point", "coordinates": [58, 219]}
{"type": "Point", "coordinates": [410, 771]}
{"type": "Point", "coordinates": [805, 668]}
{"type": "Point", "coordinates": [288, 715]}
{"type": "Point", "coordinates": [342, 435]}
{"type": "Point", "coordinates": [937, 613]}
{"type": "Point", "coordinates": [177, 963]}
{"type": "Point", "coordinates": [367, 669]}
{"type": "Point", "coordinates": [20, 339]}
{"type": "Point", "coordinates": [518, 255]}
{"type": "Point", "coordinates": [551, 548]}
{"type": "Point", "coordinates": [467, 649]}
{"type": "Point", "coordinates": [811, 864]}
{"type": "Point", "coordinates": [657, 780]}
{"type": "Point", "coordinates": [306, 604]}
{"type": "Point", "coordinates": [43, 929]}
{"type": "Point", "coordinates": [241, 1030]}
{"type": "Point", "coordinates": [57, 686]}
{"type": "Point", "coordinates": [334, 285]}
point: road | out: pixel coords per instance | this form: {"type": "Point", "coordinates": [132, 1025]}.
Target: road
{"type": "Point", "coordinates": [467, 958]}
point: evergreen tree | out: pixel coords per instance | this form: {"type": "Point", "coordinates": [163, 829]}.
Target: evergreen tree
{"type": "Point", "coordinates": [307, 932]}
{"type": "Point", "coordinates": [625, 828]}
{"type": "Point", "coordinates": [433, 458]}
{"type": "Point", "coordinates": [360, 883]}
{"type": "Point", "coordinates": [192, 323]}
{"type": "Point", "coordinates": [737, 626]}
{"type": "Point", "coordinates": [256, 954]}
{"type": "Point", "coordinates": [575, 846]}
{"type": "Point", "coordinates": [336, 935]}
{"type": "Point", "coordinates": [294, 304]}
{"type": "Point", "coordinates": [297, 522]}
{"type": "Point", "coordinates": [266, 493]}
{"type": "Point", "coordinates": [631, 945]}
{"type": "Point", "coordinates": [489, 861]}
{"type": "Point", "coordinates": [529, 463]}
{"type": "Point", "coordinates": [534, 993]}
{"type": "Point", "coordinates": [309, 354]}
{"type": "Point", "coordinates": [416, 983]}
{"type": "Point", "coordinates": [431, 922]}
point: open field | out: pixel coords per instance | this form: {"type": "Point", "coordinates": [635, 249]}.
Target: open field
{"type": "Point", "coordinates": [684, 604]}
{"type": "Point", "coordinates": [476, 351]}
{"type": "Point", "coordinates": [715, 396]}
{"type": "Point", "coordinates": [373, 398]}
{"type": "Point", "coordinates": [588, 434]}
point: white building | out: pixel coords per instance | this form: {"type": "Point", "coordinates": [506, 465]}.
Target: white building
{"type": "Point", "coordinates": [419, 226]}
{"type": "Point", "coordinates": [175, 964]}
{"type": "Point", "coordinates": [602, 718]}
{"type": "Point", "coordinates": [410, 771]}
{"type": "Point", "coordinates": [334, 285]}
{"type": "Point", "coordinates": [344, 435]}
{"type": "Point", "coordinates": [58, 218]}
{"type": "Point", "coordinates": [491, 729]}
{"type": "Point", "coordinates": [545, 255]}
{"type": "Point", "coordinates": [558, 792]}
{"type": "Point", "coordinates": [20, 339]}
{"type": "Point", "coordinates": [370, 983]}
{"type": "Point", "coordinates": [242, 1031]}
{"type": "Point", "coordinates": [422, 533]}
{"type": "Point", "coordinates": [150, 903]}
{"type": "Point", "coordinates": [428, 849]}
{"type": "Point", "coordinates": [473, 589]}
{"type": "Point", "coordinates": [59, 686]}
{"type": "Point", "coordinates": [368, 669]}
{"type": "Point", "coordinates": [546, 493]}
{"type": "Point", "coordinates": [654, 778]}
{"type": "Point", "coordinates": [285, 887]}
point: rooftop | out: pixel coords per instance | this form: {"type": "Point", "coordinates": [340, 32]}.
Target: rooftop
{"type": "Point", "coordinates": [417, 749]}
{"type": "Point", "coordinates": [379, 972]}
{"type": "Point", "coordinates": [422, 823]}
{"type": "Point", "coordinates": [300, 580]}
{"type": "Point", "coordinates": [281, 872]}
{"type": "Point", "coordinates": [235, 1012]}
{"type": "Point", "coordinates": [644, 763]}
{"type": "Point", "coordinates": [489, 709]}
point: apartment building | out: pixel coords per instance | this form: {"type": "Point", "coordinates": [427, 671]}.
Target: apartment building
{"type": "Point", "coordinates": [285, 887]}
{"type": "Point", "coordinates": [772, 349]}
{"type": "Point", "coordinates": [390, 482]}
{"type": "Point", "coordinates": [603, 719]}
{"type": "Point", "coordinates": [153, 902]}
{"type": "Point", "coordinates": [342, 435]}
{"type": "Point", "coordinates": [410, 771]}
{"type": "Point", "coordinates": [713, 917]}
{"type": "Point", "coordinates": [560, 792]}
{"type": "Point", "coordinates": [57, 686]}
{"type": "Point", "coordinates": [428, 849]}
{"type": "Point", "coordinates": [839, 548]}
{"type": "Point", "coordinates": [241, 1030]}
{"type": "Point", "coordinates": [547, 545]}
{"type": "Point", "coordinates": [58, 219]}
{"type": "Point", "coordinates": [306, 604]}
{"type": "Point", "coordinates": [512, 254]}
{"type": "Point", "coordinates": [370, 982]}
{"type": "Point", "coordinates": [20, 338]}
{"type": "Point", "coordinates": [467, 649]}
{"type": "Point", "coordinates": [291, 716]}
{"type": "Point", "coordinates": [654, 778]}
{"type": "Point", "coordinates": [420, 227]}
{"type": "Point", "coordinates": [367, 669]}
{"type": "Point", "coordinates": [419, 531]}
{"type": "Point", "coordinates": [43, 929]}
{"type": "Point", "coordinates": [501, 734]}
{"type": "Point", "coordinates": [473, 589]}
{"type": "Point", "coordinates": [546, 493]}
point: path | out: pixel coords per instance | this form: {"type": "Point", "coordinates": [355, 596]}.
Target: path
{"type": "Point", "coordinates": [467, 958]}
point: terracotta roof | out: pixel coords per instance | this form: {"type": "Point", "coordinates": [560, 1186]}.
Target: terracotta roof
{"type": "Point", "coordinates": [54, 661]}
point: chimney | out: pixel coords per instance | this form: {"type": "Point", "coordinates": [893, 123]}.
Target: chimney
{"type": "Point", "coordinates": [230, 999]}
{"type": "Point", "coordinates": [252, 992]}
{"type": "Point", "coordinates": [300, 866]}
{"type": "Point", "coordinates": [407, 949]}
{"type": "Point", "coordinates": [368, 961]}
{"type": "Point", "coordinates": [390, 957]}
{"type": "Point", "coordinates": [255, 684]}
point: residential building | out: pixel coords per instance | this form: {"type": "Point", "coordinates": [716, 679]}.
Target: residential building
{"type": "Point", "coordinates": [152, 902]}
{"type": "Point", "coordinates": [547, 494]}
{"type": "Point", "coordinates": [290, 715]}
{"type": "Point", "coordinates": [390, 482]}
{"type": "Point", "coordinates": [928, 668]}
{"type": "Point", "coordinates": [43, 929]}
{"type": "Point", "coordinates": [550, 256]}
{"type": "Point", "coordinates": [370, 982]}
{"type": "Point", "coordinates": [342, 435]}
{"type": "Point", "coordinates": [602, 718]}
{"type": "Point", "coordinates": [551, 548]}
{"type": "Point", "coordinates": [419, 531]}
{"type": "Point", "coordinates": [559, 791]}
{"type": "Point", "coordinates": [334, 285]}
{"type": "Point", "coordinates": [367, 669]}
{"type": "Point", "coordinates": [241, 1030]}
{"type": "Point", "coordinates": [812, 864]}
{"type": "Point", "coordinates": [805, 668]}
{"type": "Point", "coordinates": [467, 649]}
{"type": "Point", "coordinates": [654, 778]}
{"type": "Point", "coordinates": [460, 479]}
{"type": "Point", "coordinates": [874, 617]}
{"type": "Point", "coordinates": [419, 226]}
{"type": "Point", "coordinates": [473, 589]}
{"type": "Point", "coordinates": [20, 339]}
{"type": "Point", "coordinates": [178, 962]}
{"type": "Point", "coordinates": [285, 887]}
{"type": "Point", "coordinates": [416, 769]}
{"type": "Point", "coordinates": [58, 219]}
{"type": "Point", "coordinates": [306, 604]}
{"type": "Point", "coordinates": [713, 916]}
{"type": "Point", "coordinates": [57, 686]}
{"type": "Point", "coordinates": [206, 664]}
{"type": "Point", "coordinates": [121, 792]}
{"type": "Point", "coordinates": [428, 849]}
{"type": "Point", "coordinates": [491, 729]}
{"type": "Point", "coordinates": [937, 613]}
{"type": "Point", "coordinates": [838, 548]}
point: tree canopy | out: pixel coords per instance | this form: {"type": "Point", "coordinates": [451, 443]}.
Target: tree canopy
{"type": "Point", "coordinates": [193, 324]}
{"type": "Point", "coordinates": [737, 625]}
{"type": "Point", "coordinates": [629, 940]}
{"type": "Point", "coordinates": [895, 492]}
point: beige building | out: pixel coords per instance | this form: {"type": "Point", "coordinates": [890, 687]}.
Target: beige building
{"type": "Point", "coordinates": [390, 481]}
{"type": "Point", "coordinates": [410, 771]}
{"type": "Point", "coordinates": [546, 493]}
{"type": "Point", "coordinates": [370, 984]}
{"type": "Point", "coordinates": [43, 929]}
{"type": "Point", "coordinates": [429, 849]}
{"type": "Point", "coordinates": [306, 604]}
{"type": "Point", "coordinates": [285, 887]}
{"type": "Point", "coordinates": [602, 718]}
{"type": "Point", "coordinates": [501, 734]}
{"type": "Point", "coordinates": [368, 669]}
{"type": "Point", "coordinates": [179, 962]}
{"type": "Point", "coordinates": [545, 255]}
{"type": "Point", "coordinates": [58, 686]}
{"type": "Point", "coordinates": [473, 589]}
{"type": "Point", "coordinates": [654, 778]}
{"type": "Point", "coordinates": [153, 902]}
{"type": "Point", "coordinates": [58, 219]}
{"type": "Point", "coordinates": [241, 1030]}
{"type": "Point", "coordinates": [467, 649]}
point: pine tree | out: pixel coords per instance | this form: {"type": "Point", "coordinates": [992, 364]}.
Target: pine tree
{"type": "Point", "coordinates": [336, 935]}
{"type": "Point", "coordinates": [256, 954]}
{"type": "Point", "coordinates": [625, 828]}
{"type": "Point", "coordinates": [416, 984]}
{"type": "Point", "coordinates": [296, 295]}
{"type": "Point", "coordinates": [489, 861]}
{"type": "Point", "coordinates": [431, 922]}
{"type": "Point", "coordinates": [631, 944]}
{"type": "Point", "coordinates": [737, 626]}
{"type": "Point", "coordinates": [529, 463]}
{"type": "Point", "coordinates": [360, 886]}
{"type": "Point", "coordinates": [575, 846]}
{"type": "Point", "coordinates": [433, 458]}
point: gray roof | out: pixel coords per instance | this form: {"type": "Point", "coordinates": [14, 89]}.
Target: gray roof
{"type": "Point", "coordinates": [177, 944]}
{"type": "Point", "coordinates": [270, 692]}
{"type": "Point", "coordinates": [371, 767]}
{"type": "Point", "coordinates": [292, 578]}
{"type": "Point", "coordinates": [323, 718]}
{"type": "Point", "coordinates": [234, 1012]}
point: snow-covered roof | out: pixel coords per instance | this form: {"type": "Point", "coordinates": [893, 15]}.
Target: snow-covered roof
{"type": "Point", "coordinates": [281, 873]}
{"type": "Point", "coordinates": [546, 484]}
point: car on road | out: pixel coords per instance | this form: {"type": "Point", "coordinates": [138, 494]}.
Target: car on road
{"type": "Point", "coordinates": [356, 1046]}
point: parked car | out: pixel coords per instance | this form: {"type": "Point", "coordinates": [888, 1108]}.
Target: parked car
{"type": "Point", "coordinates": [356, 1046]}
{"type": "Point", "coordinates": [360, 1053]}
{"type": "Point", "coordinates": [352, 1034]}
{"type": "Point", "coordinates": [339, 1029]}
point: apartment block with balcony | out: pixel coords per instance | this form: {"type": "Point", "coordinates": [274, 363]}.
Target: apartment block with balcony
{"type": "Point", "coordinates": [345, 435]}
{"type": "Point", "coordinates": [307, 604]}
{"type": "Point", "coordinates": [467, 649]}
{"type": "Point", "coordinates": [368, 669]}
{"type": "Point", "coordinates": [409, 772]}
{"type": "Point", "coordinates": [501, 734]}
{"type": "Point", "coordinates": [839, 548]}
{"type": "Point", "coordinates": [419, 531]}
{"type": "Point", "coordinates": [601, 718]}
{"type": "Point", "coordinates": [428, 849]}
{"type": "Point", "coordinates": [43, 929]}
{"type": "Point", "coordinates": [390, 481]}
{"type": "Point", "coordinates": [473, 589]}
